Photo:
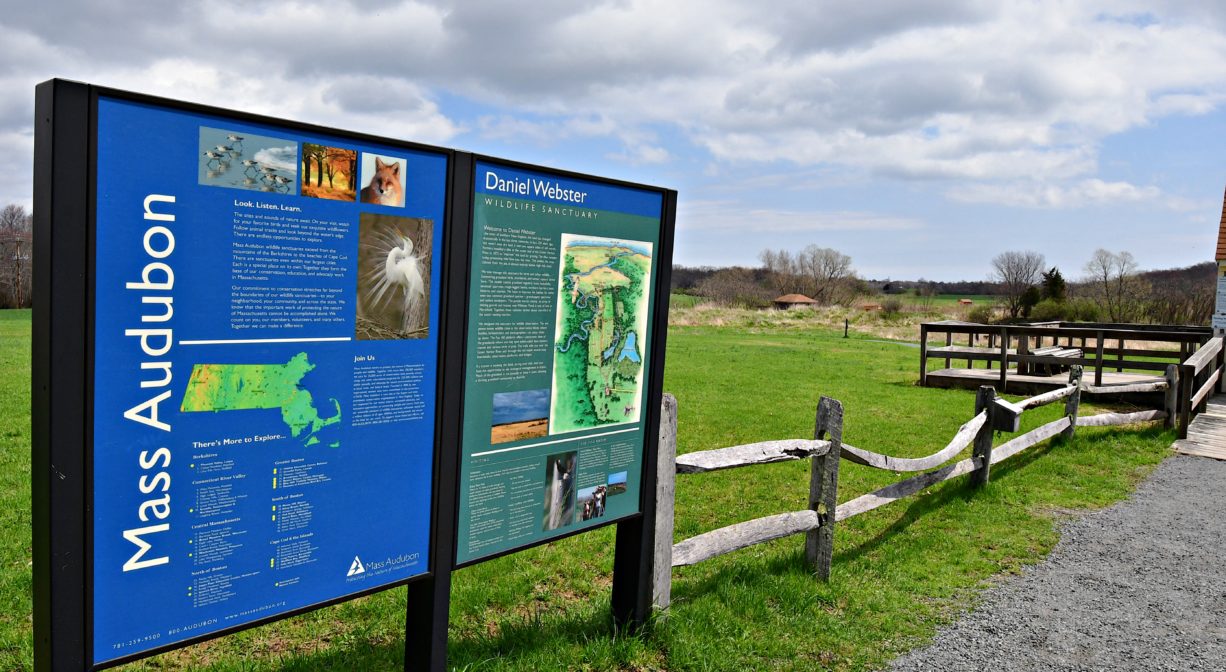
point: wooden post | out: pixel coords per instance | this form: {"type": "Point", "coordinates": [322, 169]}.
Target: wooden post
{"type": "Point", "coordinates": [1186, 374]}
{"type": "Point", "coordinates": [1221, 362]}
{"type": "Point", "coordinates": [1172, 394]}
{"type": "Point", "coordinates": [983, 439]}
{"type": "Point", "coordinates": [1004, 359]}
{"type": "Point", "coordinates": [1098, 359]}
{"type": "Point", "coordinates": [923, 355]}
{"type": "Point", "coordinates": [1119, 356]}
{"type": "Point", "coordinates": [991, 346]}
{"type": "Point", "coordinates": [1073, 402]}
{"type": "Point", "coordinates": [1023, 349]}
{"type": "Point", "coordinates": [824, 486]}
{"type": "Point", "coordinates": [949, 340]}
{"type": "Point", "coordinates": [666, 481]}
{"type": "Point", "coordinates": [970, 343]}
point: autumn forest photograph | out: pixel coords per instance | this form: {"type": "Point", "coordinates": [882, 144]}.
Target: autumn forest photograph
{"type": "Point", "coordinates": [328, 172]}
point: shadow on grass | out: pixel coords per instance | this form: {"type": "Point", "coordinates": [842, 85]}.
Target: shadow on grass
{"type": "Point", "coordinates": [920, 505]}
{"type": "Point", "coordinates": [515, 639]}
{"type": "Point", "coordinates": [523, 636]}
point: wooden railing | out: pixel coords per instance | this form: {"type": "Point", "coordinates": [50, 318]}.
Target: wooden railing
{"type": "Point", "coordinates": [1191, 372]}
{"type": "Point", "coordinates": [1099, 347]}
{"type": "Point", "coordinates": [1199, 376]}
{"type": "Point", "coordinates": [826, 450]}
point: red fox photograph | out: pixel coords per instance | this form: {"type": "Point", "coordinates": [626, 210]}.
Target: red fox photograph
{"type": "Point", "coordinates": [384, 178]}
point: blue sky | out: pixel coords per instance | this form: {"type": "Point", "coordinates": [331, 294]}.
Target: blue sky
{"type": "Point", "coordinates": [921, 137]}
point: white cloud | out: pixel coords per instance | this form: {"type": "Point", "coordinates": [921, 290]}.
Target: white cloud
{"type": "Point", "coordinates": [696, 216]}
{"type": "Point", "coordinates": [1037, 195]}
{"type": "Point", "coordinates": [981, 101]}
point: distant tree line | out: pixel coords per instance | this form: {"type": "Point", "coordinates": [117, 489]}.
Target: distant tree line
{"type": "Point", "coordinates": [1112, 289]}
{"type": "Point", "coordinates": [819, 273]}
{"type": "Point", "coordinates": [1109, 289]}
{"type": "Point", "coordinates": [16, 257]}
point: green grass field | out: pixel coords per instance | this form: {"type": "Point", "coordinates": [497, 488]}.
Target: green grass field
{"type": "Point", "coordinates": [684, 300]}
{"type": "Point", "coordinates": [899, 572]}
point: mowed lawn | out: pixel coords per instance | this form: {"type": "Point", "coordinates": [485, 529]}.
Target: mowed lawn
{"type": "Point", "coordinates": [899, 572]}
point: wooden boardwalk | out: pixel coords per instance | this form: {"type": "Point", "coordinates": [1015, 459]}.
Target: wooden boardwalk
{"type": "Point", "coordinates": [1022, 383]}
{"type": "Point", "coordinates": [1207, 431]}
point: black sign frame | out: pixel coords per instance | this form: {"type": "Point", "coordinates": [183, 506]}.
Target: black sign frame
{"type": "Point", "coordinates": [62, 395]}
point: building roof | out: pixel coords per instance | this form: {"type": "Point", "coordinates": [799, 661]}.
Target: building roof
{"type": "Point", "coordinates": [794, 298]}
{"type": "Point", "coordinates": [1221, 235]}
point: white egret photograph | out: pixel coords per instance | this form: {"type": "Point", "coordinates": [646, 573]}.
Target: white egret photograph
{"type": "Point", "coordinates": [393, 293]}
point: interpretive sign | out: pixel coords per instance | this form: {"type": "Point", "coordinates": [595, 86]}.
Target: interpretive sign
{"type": "Point", "coordinates": [562, 295]}
{"type": "Point", "coordinates": [264, 342]}
{"type": "Point", "coordinates": [277, 366]}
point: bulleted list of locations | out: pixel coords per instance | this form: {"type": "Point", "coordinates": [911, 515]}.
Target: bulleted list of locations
{"type": "Point", "coordinates": [560, 304]}
{"type": "Point", "coordinates": [266, 371]}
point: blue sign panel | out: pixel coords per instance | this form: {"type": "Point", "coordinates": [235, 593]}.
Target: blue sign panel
{"type": "Point", "coordinates": [266, 340]}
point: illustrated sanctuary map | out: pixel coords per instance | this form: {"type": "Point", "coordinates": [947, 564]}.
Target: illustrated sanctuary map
{"type": "Point", "coordinates": [600, 336]}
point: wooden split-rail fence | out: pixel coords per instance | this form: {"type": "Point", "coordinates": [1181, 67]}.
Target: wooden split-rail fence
{"type": "Point", "coordinates": [826, 450]}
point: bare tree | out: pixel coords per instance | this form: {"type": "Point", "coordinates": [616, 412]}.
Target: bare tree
{"type": "Point", "coordinates": [16, 257]}
{"type": "Point", "coordinates": [14, 218]}
{"type": "Point", "coordinates": [1016, 272]}
{"type": "Point", "coordinates": [735, 286]}
{"type": "Point", "coordinates": [820, 273]}
{"type": "Point", "coordinates": [1114, 284]}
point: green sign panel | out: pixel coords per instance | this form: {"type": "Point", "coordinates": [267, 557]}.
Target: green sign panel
{"type": "Point", "coordinates": [561, 301]}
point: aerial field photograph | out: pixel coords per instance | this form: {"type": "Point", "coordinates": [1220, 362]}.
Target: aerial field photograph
{"type": "Point", "coordinates": [634, 337]}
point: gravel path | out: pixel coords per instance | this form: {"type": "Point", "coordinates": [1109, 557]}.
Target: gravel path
{"type": "Point", "coordinates": [1137, 586]}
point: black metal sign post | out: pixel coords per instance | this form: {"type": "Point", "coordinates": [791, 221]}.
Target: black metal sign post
{"type": "Point", "coordinates": [61, 395]}
{"type": "Point", "coordinates": [633, 553]}
{"type": "Point", "coordinates": [429, 601]}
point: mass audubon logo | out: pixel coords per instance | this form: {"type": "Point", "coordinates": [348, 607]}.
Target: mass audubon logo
{"type": "Point", "coordinates": [360, 570]}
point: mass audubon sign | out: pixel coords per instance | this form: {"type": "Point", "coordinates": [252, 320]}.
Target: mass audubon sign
{"type": "Point", "coordinates": [317, 364]}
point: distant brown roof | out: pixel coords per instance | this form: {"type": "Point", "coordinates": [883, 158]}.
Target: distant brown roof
{"type": "Point", "coordinates": [1221, 234]}
{"type": "Point", "coordinates": [798, 298]}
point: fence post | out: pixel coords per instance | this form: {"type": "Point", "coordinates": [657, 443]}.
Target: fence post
{"type": "Point", "coordinates": [1073, 402]}
{"type": "Point", "coordinates": [1004, 359]}
{"type": "Point", "coordinates": [1220, 362]}
{"type": "Point", "coordinates": [824, 486]}
{"type": "Point", "coordinates": [1098, 359]}
{"type": "Point", "coordinates": [1172, 393]}
{"type": "Point", "coordinates": [666, 480]}
{"type": "Point", "coordinates": [1186, 374]}
{"type": "Point", "coordinates": [983, 440]}
{"type": "Point", "coordinates": [923, 355]}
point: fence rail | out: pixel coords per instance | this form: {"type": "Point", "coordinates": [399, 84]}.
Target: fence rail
{"type": "Point", "coordinates": [826, 450]}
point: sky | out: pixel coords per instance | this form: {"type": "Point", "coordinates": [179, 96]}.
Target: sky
{"type": "Point", "coordinates": [920, 137]}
